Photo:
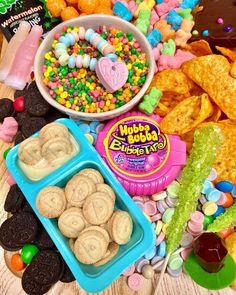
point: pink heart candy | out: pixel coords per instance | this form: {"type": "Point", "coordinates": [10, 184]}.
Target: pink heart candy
{"type": "Point", "coordinates": [112, 75]}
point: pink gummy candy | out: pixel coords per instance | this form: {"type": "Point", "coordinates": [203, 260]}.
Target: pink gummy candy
{"type": "Point", "coordinates": [132, 7]}
{"type": "Point", "coordinates": [156, 51]}
{"type": "Point", "coordinates": [162, 8]}
{"type": "Point", "coordinates": [8, 129]}
{"type": "Point", "coordinates": [154, 17]}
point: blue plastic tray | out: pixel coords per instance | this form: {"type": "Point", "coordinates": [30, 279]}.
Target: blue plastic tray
{"type": "Point", "coordinates": [91, 278]}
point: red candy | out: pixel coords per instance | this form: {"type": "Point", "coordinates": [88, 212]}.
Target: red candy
{"type": "Point", "coordinates": [18, 104]}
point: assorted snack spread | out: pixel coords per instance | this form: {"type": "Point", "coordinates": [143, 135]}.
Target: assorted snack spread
{"type": "Point", "coordinates": [69, 217]}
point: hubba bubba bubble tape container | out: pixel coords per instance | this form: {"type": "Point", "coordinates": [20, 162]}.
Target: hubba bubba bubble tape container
{"type": "Point", "coordinates": [144, 159]}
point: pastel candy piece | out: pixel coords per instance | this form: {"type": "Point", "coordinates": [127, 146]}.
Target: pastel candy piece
{"type": "Point", "coordinates": [140, 264]}
{"type": "Point", "coordinates": [203, 199]}
{"type": "Point", "coordinates": [99, 127]}
{"type": "Point", "coordinates": [108, 49]}
{"type": "Point", "coordinates": [92, 64]}
{"type": "Point", "coordinates": [161, 250]}
{"type": "Point", "coordinates": [112, 56]}
{"type": "Point", "coordinates": [140, 205]}
{"type": "Point", "coordinates": [65, 41]}
{"type": "Point", "coordinates": [101, 44]}
{"type": "Point", "coordinates": [71, 61]}
{"type": "Point", "coordinates": [79, 60]}
{"type": "Point", "coordinates": [175, 261]}
{"type": "Point", "coordinates": [220, 210]}
{"type": "Point", "coordinates": [8, 129]}
{"type": "Point", "coordinates": [172, 189]}
{"type": "Point", "coordinates": [154, 17]}
{"type": "Point", "coordinates": [186, 13]}
{"type": "Point", "coordinates": [138, 198]}
{"type": "Point", "coordinates": [89, 138]}
{"type": "Point", "coordinates": [148, 217]}
{"type": "Point", "coordinates": [81, 32]}
{"type": "Point", "coordinates": [112, 75]}
{"type": "Point", "coordinates": [224, 186]}
{"type": "Point", "coordinates": [206, 186]}
{"type": "Point", "coordinates": [184, 254]}
{"type": "Point", "coordinates": [96, 40]}
{"type": "Point", "coordinates": [70, 37]}
{"type": "Point", "coordinates": [168, 214]}
{"type": "Point", "coordinates": [163, 203]}
{"type": "Point", "coordinates": [156, 217]}
{"type": "Point", "coordinates": [233, 192]}
{"type": "Point", "coordinates": [154, 37]}
{"type": "Point", "coordinates": [213, 195]}
{"type": "Point", "coordinates": [128, 272]}
{"type": "Point", "coordinates": [85, 128]}
{"type": "Point", "coordinates": [189, 3]}
{"type": "Point", "coordinates": [187, 25]}
{"type": "Point", "coordinates": [150, 208]}
{"type": "Point", "coordinates": [122, 11]}
{"type": "Point", "coordinates": [86, 61]}
{"type": "Point", "coordinates": [76, 35]}
{"type": "Point", "coordinates": [181, 38]}
{"type": "Point", "coordinates": [164, 228]}
{"type": "Point", "coordinates": [171, 202]}
{"type": "Point", "coordinates": [159, 239]}
{"type": "Point", "coordinates": [160, 207]}
{"type": "Point", "coordinates": [174, 273]}
{"type": "Point", "coordinates": [93, 126]}
{"type": "Point", "coordinates": [197, 217]}
{"type": "Point", "coordinates": [94, 135]}
{"type": "Point", "coordinates": [162, 8]}
{"type": "Point", "coordinates": [88, 34]}
{"type": "Point", "coordinates": [156, 259]}
{"type": "Point", "coordinates": [213, 175]}
{"type": "Point", "coordinates": [60, 52]}
{"type": "Point", "coordinates": [187, 240]}
{"type": "Point", "coordinates": [151, 253]}
{"type": "Point", "coordinates": [169, 47]}
{"type": "Point", "coordinates": [209, 208]}
{"type": "Point", "coordinates": [222, 199]}
{"type": "Point", "coordinates": [63, 59]}
{"type": "Point", "coordinates": [135, 281]}
{"type": "Point", "coordinates": [150, 101]}
{"type": "Point", "coordinates": [174, 19]}
{"type": "Point", "coordinates": [93, 37]}
{"type": "Point", "coordinates": [159, 196]}
{"type": "Point", "coordinates": [60, 46]}
{"type": "Point", "coordinates": [194, 227]}
{"type": "Point", "coordinates": [159, 265]}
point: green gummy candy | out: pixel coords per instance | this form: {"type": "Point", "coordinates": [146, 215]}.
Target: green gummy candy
{"type": "Point", "coordinates": [144, 14]}
{"type": "Point", "coordinates": [169, 47]}
{"type": "Point", "coordinates": [150, 101]}
{"type": "Point", "coordinates": [186, 13]}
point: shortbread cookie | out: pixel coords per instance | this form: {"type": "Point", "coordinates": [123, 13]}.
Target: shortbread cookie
{"type": "Point", "coordinates": [71, 222]}
{"type": "Point", "coordinates": [99, 229]}
{"type": "Point", "coordinates": [102, 187]}
{"type": "Point", "coordinates": [92, 174]}
{"type": "Point", "coordinates": [55, 148]}
{"type": "Point", "coordinates": [98, 208]}
{"type": "Point", "coordinates": [51, 201]}
{"type": "Point", "coordinates": [105, 226]}
{"type": "Point", "coordinates": [54, 130]}
{"type": "Point", "coordinates": [90, 247]}
{"type": "Point", "coordinates": [78, 189]}
{"type": "Point", "coordinates": [120, 227]}
{"type": "Point", "coordinates": [29, 151]}
{"type": "Point", "coordinates": [112, 250]}
{"type": "Point", "coordinates": [71, 243]}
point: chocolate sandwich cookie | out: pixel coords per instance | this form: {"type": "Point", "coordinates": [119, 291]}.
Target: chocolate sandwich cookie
{"type": "Point", "coordinates": [27, 208]}
{"type": "Point", "coordinates": [22, 118]}
{"type": "Point", "coordinates": [6, 108]}
{"type": "Point", "coordinates": [215, 23]}
{"type": "Point", "coordinates": [32, 125]}
{"type": "Point", "coordinates": [54, 114]}
{"type": "Point", "coordinates": [30, 286]}
{"type": "Point", "coordinates": [19, 138]}
{"type": "Point", "coordinates": [19, 229]}
{"type": "Point", "coordinates": [67, 276]}
{"type": "Point", "coordinates": [14, 199]}
{"type": "Point", "coordinates": [46, 267]}
{"type": "Point", "coordinates": [43, 240]}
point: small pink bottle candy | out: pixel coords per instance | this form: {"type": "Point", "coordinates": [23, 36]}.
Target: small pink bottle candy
{"type": "Point", "coordinates": [24, 59]}
{"type": "Point", "coordinates": [12, 47]}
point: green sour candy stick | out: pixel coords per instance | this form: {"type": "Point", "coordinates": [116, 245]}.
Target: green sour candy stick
{"type": "Point", "coordinates": [224, 220]}
{"type": "Point", "coordinates": [207, 141]}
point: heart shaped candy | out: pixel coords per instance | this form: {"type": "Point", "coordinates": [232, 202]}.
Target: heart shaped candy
{"type": "Point", "coordinates": [112, 75]}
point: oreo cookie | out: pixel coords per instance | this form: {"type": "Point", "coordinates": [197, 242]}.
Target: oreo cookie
{"type": "Point", "coordinates": [18, 138]}
{"type": "Point", "coordinates": [43, 240]}
{"type": "Point", "coordinates": [32, 125]}
{"type": "Point", "coordinates": [22, 118]}
{"type": "Point", "coordinates": [30, 286]}
{"type": "Point", "coordinates": [67, 276]}
{"type": "Point", "coordinates": [54, 114]}
{"type": "Point", "coordinates": [19, 229]}
{"type": "Point", "coordinates": [27, 208]}
{"type": "Point", "coordinates": [14, 199]}
{"type": "Point", "coordinates": [6, 108]}
{"type": "Point", "coordinates": [46, 267]}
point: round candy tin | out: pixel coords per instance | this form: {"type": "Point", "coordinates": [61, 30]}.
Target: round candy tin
{"type": "Point", "coordinates": [144, 159]}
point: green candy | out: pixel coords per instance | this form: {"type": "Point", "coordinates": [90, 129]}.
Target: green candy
{"type": "Point", "coordinates": [207, 221]}
{"type": "Point", "coordinates": [28, 252]}
{"type": "Point", "coordinates": [186, 13]}
{"type": "Point", "coordinates": [169, 47]}
{"type": "Point", "coordinates": [143, 22]}
{"type": "Point", "coordinates": [129, 36]}
{"type": "Point", "coordinates": [6, 153]}
{"type": "Point", "coordinates": [150, 101]}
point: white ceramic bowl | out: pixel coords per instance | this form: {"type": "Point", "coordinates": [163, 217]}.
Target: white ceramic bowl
{"type": "Point", "coordinates": [93, 21]}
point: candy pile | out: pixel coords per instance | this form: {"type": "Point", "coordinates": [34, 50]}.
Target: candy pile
{"type": "Point", "coordinates": [69, 68]}
{"type": "Point", "coordinates": [159, 209]}
{"type": "Point", "coordinates": [90, 129]}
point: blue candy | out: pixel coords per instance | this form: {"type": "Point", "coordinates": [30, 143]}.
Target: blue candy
{"type": "Point", "coordinates": [161, 250]}
{"type": "Point", "coordinates": [89, 34]}
{"type": "Point", "coordinates": [92, 64]}
{"type": "Point", "coordinates": [122, 11]}
{"type": "Point", "coordinates": [213, 195]}
{"type": "Point", "coordinates": [189, 3]}
{"type": "Point", "coordinates": [93, 36]}
{"type": "Point", "coordinates": [71, 61]}
{"type": "Point", "coordinates": [112, 57]}
{"type": "Point", "coordinates": [70, 37]}
{"type": "Point", "coordinates": [174, 19]}
{"type": "Point", "coordinates": [65, 41]}
{"type": "Point", "coordinates": [206, 186]}
{"type": "Point", "coordinates": [220, 210]}
{"type": "Point", "coordinates": [84, 128]}
{"type": "Point", "coordinates": [233, 192]}
{"type": "Point", "coordinates": [151, 253]}
{"type": "Point", "coordinates": [94, 135]}
{"type": "Point", "coordinates": [224, 186]}
{"type": "Point", "coordinates": [154, 37]}
{"type": "Point", "coordinates": [101, 43]}
{"type": "Point", "coordinates": [205, 33]}
{"type": "Point", "coordinates": [93, 125]}
{"type": "Point", "coordinates": [159, 1]}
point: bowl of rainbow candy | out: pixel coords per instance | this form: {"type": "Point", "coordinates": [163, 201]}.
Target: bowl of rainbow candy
{"type": "Point", "coordinates": [94, 67]}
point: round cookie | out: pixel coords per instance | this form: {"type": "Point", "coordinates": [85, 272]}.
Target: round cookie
{"type": "Point", "coordinates": [14, 199]}
{"type": "Point", "coordinates": [72, 222]}
{"type": "Point", "coordinates": [120, 227]}
{"type": "Point", "coordinates": [32, 125]}
{"type": "Point", "coordinates": [22, 118]}
{"type": "Point", "coordinates": [19, 229]}
{"type": "Point", "coordinates": [100, 229]}
{"type": "Point", "coordinates": [30, 286]}
{"type": "Point", "coordinates": [43, 240]}
{"type": "Point", "coordinates": [112, 250]}
{"type": "Point", "coordinates": [54, 130]}
{"type": "Point", "coordinates": [105, 188]}
{"type": "Point", "coordinates": [27, 208]}
{"type": "Point", "coordinates": [51, 201]}
{"type": "Point", "coordinates": [55, 148]}
{"type": "Point", "coordinates": [67, 276]}
{"type": "Point", "coordinates": [6, 108]}
{"type": "Point", "coordinates": [46, 267]}
{"type": "Point", "coordinates": [71, 243]}
{"type": "Point", "coordinates": [98, 208]}
{"type": "Point", "coordinates": [90, 247]}
{"type": "Point", "coordinates": [92, 174]}
{"type": "Point", "coordinates": [19, 138]}
{"type": "Point", "coordinates": [29, 151]}
{"type": "Point", "coordinates": [78, 189]}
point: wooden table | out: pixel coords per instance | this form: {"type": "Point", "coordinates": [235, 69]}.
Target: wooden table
{"type": "Point", "coordinates": [9, 284]}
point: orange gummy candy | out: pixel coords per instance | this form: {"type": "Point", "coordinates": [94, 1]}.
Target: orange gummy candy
{"type": "Point", "coordinates": [88, 6]}
{"type": "Point", "coordinates": [55, 7]}
{"type": "Point", "coordinates": [69, 13]}
{"type": "Point", "coordinates": [72, 1]}
{"type": "Point", "coordinates": [17, 262]}
{"type": "Point", "coordinates": [105, 3]}
{"type": "Point", "coordinates": [103, 10]}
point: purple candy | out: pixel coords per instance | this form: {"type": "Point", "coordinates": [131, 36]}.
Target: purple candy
{"type": "Point", "coordinates": [140, 264]}
{"type": "Point", "coordinates": [156, 259]}
{"type": "Point", "coordinates": [174, 273]}
{"type": "Point", "coordinates": [140, 205]}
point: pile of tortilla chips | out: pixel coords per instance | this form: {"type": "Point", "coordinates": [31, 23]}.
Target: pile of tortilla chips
{"type": "Point", "coordinates": [203, 91]}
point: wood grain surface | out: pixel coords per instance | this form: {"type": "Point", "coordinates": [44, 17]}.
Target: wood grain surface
{"type": "Point", "coordinates": [11, 285]}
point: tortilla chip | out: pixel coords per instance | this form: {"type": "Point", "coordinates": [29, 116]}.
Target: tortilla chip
{"type": "Point", "coordinates": [230, 53]}
{"type": "Point", "coordinates": [216, 114]}
{"type": "Point", "coordinates": [211, 73]}
{"type": "Point", "coordinates": [199, 48]}
{"type": "Point", "coordinates": [187, 115]}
